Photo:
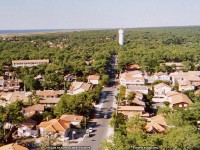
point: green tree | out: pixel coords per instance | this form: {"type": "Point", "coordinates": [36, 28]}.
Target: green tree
{"type": "Point", "coordinates": [105, 79]}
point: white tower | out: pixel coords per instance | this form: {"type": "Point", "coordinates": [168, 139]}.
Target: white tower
{"type": "Point", "coordinates": [121, 36]}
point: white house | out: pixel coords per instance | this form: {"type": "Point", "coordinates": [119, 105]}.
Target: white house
{"type": "Point", "coordinates": [137, 88]}
{"type": "Point", "coordinates": [185, 85]}
{"type": "Point", "coordinates": [78, 87]}
{"type": "Point", "coordinates": [162, 76]}
{"type": "Point", "coordinates": [132, 78]}
{"type": "Point", "coordinates": [94, 79]}
{"type": "Point", "coordinates": [28, 129]}
{"type": "Point", "coordinates": [161, 89]}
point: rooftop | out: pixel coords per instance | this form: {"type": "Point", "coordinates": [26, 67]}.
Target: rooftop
{"type": "Point", "coordinates": [136, 87]}
{"type": "Point", "coordinates": [130, 108]}
{"type": "Point", "coordinates": [30, 61]}
{"type": "Point", "coordinates": [13, 146]}
{"type": "Point", "coordinates": [93, 77]}
{"type": "Point", "coordinates": [36, 107]}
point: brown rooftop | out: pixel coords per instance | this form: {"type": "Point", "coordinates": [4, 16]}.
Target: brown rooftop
{"type": "Point", "coordinates": [72, 118]}
{"type": "Point", "coordinates": [93, 77]}
{"type": "Point", "coordinates": [37, 107]}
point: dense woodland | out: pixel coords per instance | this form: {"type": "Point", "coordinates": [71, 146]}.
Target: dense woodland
{"type": "Point", "coordinates": [89, 52]}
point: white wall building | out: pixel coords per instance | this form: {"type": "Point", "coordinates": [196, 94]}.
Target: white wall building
{"type": "Point", "coordinates": [29, 63]}
{"type": "Point", "coordinates": [121, 36]}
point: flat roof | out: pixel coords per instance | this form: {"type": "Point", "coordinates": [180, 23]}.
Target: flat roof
{"type": "Point", "coordinates": [30, 61]}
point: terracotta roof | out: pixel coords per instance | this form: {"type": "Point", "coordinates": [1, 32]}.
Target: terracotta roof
{"type": "Point", "coordinates": [131, 108]}
{"type": "Point", "coordinates": [72, 118]}
{"type": "Point", "coordinates": [49, 101]}
{"type": "Point", "coordinates": [185, 83]}
{"type": "Point", "coordinates": [49, 93]}
{"type": "Point", "coordinates": [93, 77]}
{"type": "Point", "coordinates": [1, 78]}
{"type": "Point", "coordinates": [138, 102]}
{"type": "Point", "coordinates": [130, 73]}
{"type": "Point", "coordinates": [30, 61]}
{"type": "Point", "coordinates": [136, 87]}
{"type": "Point", "coordinates": [55, 125]}
{"type": "Point", "coordinates": [36, 107]}
{"type": "Point", "coordinates": [13, 146]}
{"type": "Point", "coordinates": [131, 67]}
{"type": "Point", "coordinates": [180, 98]}
{"type": "Point", "coordinates": [157, 122]}
{"type": "Point", "coordinates": [161, 85]}
{"type": "Point", "coordinates": [159, 119]}
{"type": "Point", "coordinates": [151, 126]}
{"type": "Point", "coordinates": [76, 85]}
{"type": "Point", "coordinates": [171, 93]}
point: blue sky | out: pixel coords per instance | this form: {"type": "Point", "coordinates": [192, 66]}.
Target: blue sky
{"type": "Point", "coordinates": [75, 14]}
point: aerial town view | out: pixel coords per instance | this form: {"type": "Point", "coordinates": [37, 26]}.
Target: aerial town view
{"type": "Point", "coordinates": [100, 75]}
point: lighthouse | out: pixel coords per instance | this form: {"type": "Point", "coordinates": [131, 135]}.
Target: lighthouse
{"type": "Point", "coordinates": [121, 36]}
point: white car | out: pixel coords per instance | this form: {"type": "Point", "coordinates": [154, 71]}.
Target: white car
{"type": "Point", "coordinates": [90, 129]}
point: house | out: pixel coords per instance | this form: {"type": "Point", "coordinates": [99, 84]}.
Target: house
{"type": "Point", "coordinates": [133, 67]}
{"type": "Point", "coordinates": [150, 79]}
{"type": "Point", "coordinates": [79, 87]}
{"type": "Point", "coordinates": [73, 119]}
{"type": "Point", "coordinates": [130, 111]}
{"type": "Point", "coordinates": [177, 65]}
{"type": "Point", "coordinates": [94, 79]}
{"type": "Point", "coordinates": [9, 84]}
{"type": "Point", "coordinates": [138, 95]}
{"type": "Point", "coordinates": [49, 93]}
{"type": "Point", "coordinates": [177, 99]}
{"type": "Point", "coordinates": [1, 83]}
{"type": "Point", "coordinates": [134, 102]}
{"type": "Point", "coordinates": [192, 76]}
{"type": "Point", "coordinates": [156, 124]}
{"type": "Point", "coordinates": [137, 88]}
{"type": "Point", "coordinates": [29, 63]}
{"type": "Point", "coordinates": [69, 78]}
{"type": "Point", "coordinates": [161, 89]}
{"type": "Point", "coordinates": [48, 102]}
{"type": "Point", "coordinates": [185, 85]}
{"type": "Point", "coordinates": [13, 146]}
{"type": "Point", "coordinates": [131, 78]}
{"type": "Point", "coordinates": [28, 129]}
{"type": "Point", "coordinates": [162, 76]}
{"type": "Point", "coordinates": [58, 127]}
{"type": "Point", "coordinates": [31, 110]}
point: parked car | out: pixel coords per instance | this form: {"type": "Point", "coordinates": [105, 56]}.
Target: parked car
{"type": "Point", "coordinates": [90, 129]}
{"type": "Point", "coordinates": [105, 116]}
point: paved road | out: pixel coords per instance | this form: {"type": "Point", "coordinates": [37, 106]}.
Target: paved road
{"type": "Point", "coordinates": [106, 105]}
{"type": "Point", "coordinates": [101, 127]}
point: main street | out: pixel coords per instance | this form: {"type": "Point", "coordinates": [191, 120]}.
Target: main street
{"type": "Point", "coordinates": [107, 104]}
{"type": "Point", "coordinates": [101, 128]}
